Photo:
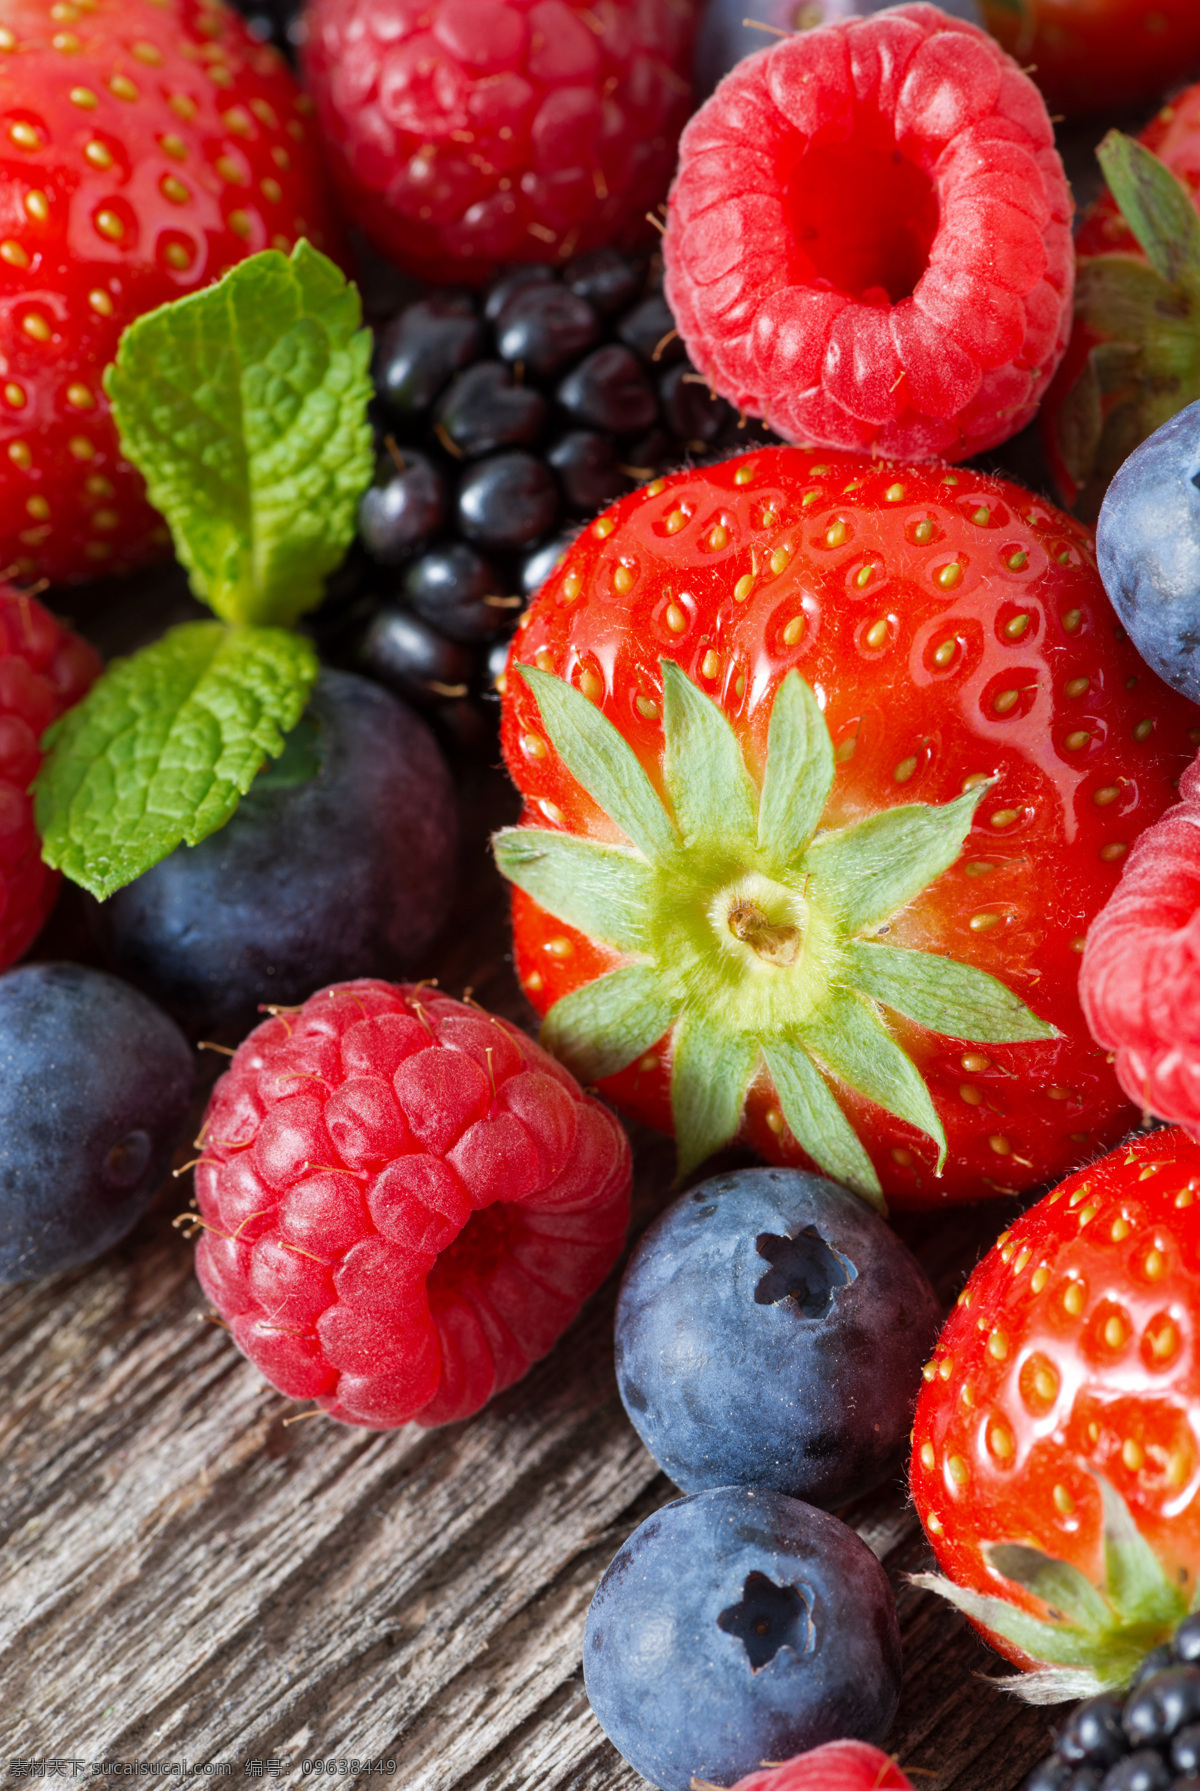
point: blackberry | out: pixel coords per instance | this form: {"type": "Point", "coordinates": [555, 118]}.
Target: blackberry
{"type": "Point", "coordinates": [1145, 1739]}
{"type": "Point", "coordinates": [505, 419]}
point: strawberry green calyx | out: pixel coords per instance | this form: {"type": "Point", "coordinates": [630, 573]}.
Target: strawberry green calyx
{"type": "Point", "coordinates": [753, 936]}
{"type": "Point", "coordinates": [1093, 1637]}
{"type": "Point", "coordinates": [1144, 317]}
{"type": "Point", "coordinates": [244, 406]}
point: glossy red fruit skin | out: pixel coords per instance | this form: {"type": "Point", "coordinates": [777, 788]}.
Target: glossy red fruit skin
{"type": "Point", "coordinates": [824, 316]}
{"type": "Point", "coordinates": [838, 1766]}
{"type": "Point", "coordinates": [405, 1202]}
{"type": "Point", "coordinates": [44, 669]}
{"type": "Point", "coordinates": [1014, 1115]}
{"type": "Point", "coordinates": [132, 138]}
{"type": "Point", "coordinates": [465, 134]}
{"type": "Point", "coordinates": [1173, 135]}
{"type": "Point", "coordinates": [1096, 56]}
{"type": "Point", "coordinates": [1077, 1336]}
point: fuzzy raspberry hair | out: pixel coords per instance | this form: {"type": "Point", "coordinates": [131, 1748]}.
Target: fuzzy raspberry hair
{"type": "Point", "coordinates": [405, 1202]}
{"type": "Point", "coordinates": [869, 240]}
{"type": "Point", "coordinates": [1140, 978]}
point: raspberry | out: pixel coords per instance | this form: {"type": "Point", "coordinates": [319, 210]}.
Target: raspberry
{"type": "Point", "coordinates": [405, 1202]}
{"type": "Point", "coordinates": [467, 133]}
{"type": "Point", "coordinates": [44, 668]}
{"type": "Point", "coordinates": [1140, 978]}
{"type": "Point", "coordinates": [868, 241]}
{"type": "Point", "coordinates": [838, 1766]}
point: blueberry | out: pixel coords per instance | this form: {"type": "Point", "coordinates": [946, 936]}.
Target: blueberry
{"type": "Point", "coordinates": [1163, 1704]}
{"type": "Point", "coordinates": [649, 329]}
{"type": "Point", "coordinates": [607, 279]}
{"type": "Point", "coordinates": [737, 1626]}
{"type": "Point", "coordinates": [403, 508]}
{"type": "Point", "coordinates": [1144, 1770]}
{"type": "Point", "coordinates": [771, 1330]}
{"type": "Point", "coordinates": [459, 594]}
{"type": "Point", "coordinates": [421, 349]}
{"type": "Point", "coordinates": [94, 1098]}
{"type": "Point", "coordinates": [338, 863]}
{"type": "Point", "coordinates": [544, 327]}
{"type": "Point", "coordinates": [485, 409]}
{"type": "Point", "coordinates": [1093, 1735]}
{"type": "Point", "coordinates": [510, 500]}
{"type": "Point", "coordinates": [1148, 548]}
{"type": "Point", "coordinates": [411, 658]}
{"type": "Point", "coordinates": [609, 390]}
{"type": "Point", "coordinates": [588, 469]}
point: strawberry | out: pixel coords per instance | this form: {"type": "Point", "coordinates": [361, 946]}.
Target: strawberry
{"type": "Point", "coordinates": [143, 151]}
{"type": "Point", "coordinates": [1133, 358]}
{"type": "Point", "coordinates": [1055, 1465]}
{"type": "Point", "coordinates": [768, 714]}
{"type": "Point", "coordinates": [1099, 55]}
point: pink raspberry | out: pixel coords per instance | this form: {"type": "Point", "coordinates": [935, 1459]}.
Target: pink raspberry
{"type": "Point", "coordinates": [44, 669]}
{"type": "Point", "coordinates": [838, 1766]}
{"type": "Point", "coordinates": [1139, 983]}
{"type": "Point", "coordinates": [467, 133]}
{"type": "Point", "coordinates": [869, 239]}
{"type": "Point", "coordinates": [405, 1202]}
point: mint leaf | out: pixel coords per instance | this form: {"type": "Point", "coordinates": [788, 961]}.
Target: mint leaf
{"type": "Point", "coordinates": [244, 406]}
{"type": "Point", "coordinates": [1156, 206]}
{"type": "Point", "coordinates": [162, 747]}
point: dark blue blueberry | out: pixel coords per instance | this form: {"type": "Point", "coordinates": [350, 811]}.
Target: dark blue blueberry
{"type": "Point", "coordinates": [422, 348]}
{"type": "Point", "coordinates": [1144, 1770]}
{"type": "Point", "coordinates": [460, 595]}
{"type": "Point", "coordinates": [405, 506]}
{"type": "Point", "coordinates": [338, 863]}
{"type": "Point", "coordinates": [770, 1331]}
{"type": "Point", "coordinates": [1185, 1642]}
{"type": "Point", "coordinates": [1185, 1749]}
{"type": "Point", "coordinates": [723, 37]}
{"type": "Point", "coordinates": [508, 501]}
{"type": "Point", "coordinates": [607, 279]}
{"type": "Point", "coordinates": [1163, 1704]}
{"type": "Point", "coordinates": [1148, 548]}
{"type": "Point", "coordinates": [95, 1085]}
{"type": "Point", "coordinates": [737, 1626]}
{"type": "Point", "coordinates": [485, 409]}
{"type": "Point", "coordinates": [405, 653]}
{"type": "Point", "coordinates": [544, 327]}
{"type": "Point", "coordinates": [609, 390]}
{"type": "Point", "coordinates": [589, 470]}
{"type": "Point", "coordinates": [1093, 1735]}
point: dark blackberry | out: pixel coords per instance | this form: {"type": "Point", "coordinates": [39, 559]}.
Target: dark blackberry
{"type": "Point", "coordinates": [505, 419]}
{"type": "Point", "coordinates": [1144, 1739]}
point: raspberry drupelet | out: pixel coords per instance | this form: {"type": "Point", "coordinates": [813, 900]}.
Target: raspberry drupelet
{"type": "Point", "coordinates": [869, 240]}
{"type": "Point", "coordinates": [405, 1202]}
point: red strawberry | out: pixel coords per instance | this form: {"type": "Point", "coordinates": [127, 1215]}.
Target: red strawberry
{"type": "Point", "coordinates": [1055, 1464]}
{"type": "Point", "coordinates": [405, 1202]}
{"type": "Point", "coordinates": [1099, 55]}
{"type": "Point", "coordinates": [1133, 359]}
{"type": "Point", "coordinates": [469, 133]}
{"type": "Point", "coordinates": [143, 151]}
{"type": "Point", "coordinates": [44, 668]}
{"type": "Point", "coordinates": [869, 238]}
{"type": "Point", "coordinates": [976, 707]}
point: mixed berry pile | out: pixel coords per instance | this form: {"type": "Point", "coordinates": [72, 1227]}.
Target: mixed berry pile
{"type": "Point", "coordinates": [858, 781]}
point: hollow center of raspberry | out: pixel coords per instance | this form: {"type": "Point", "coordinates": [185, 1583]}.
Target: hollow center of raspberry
{"type": "Point", "coordinates": [863, 220]}
{"type": "Point", "coordinates": [478, 1250]}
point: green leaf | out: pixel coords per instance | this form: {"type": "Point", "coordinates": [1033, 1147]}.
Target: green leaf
{"type": "Point", "coordinates": [1135, 1579]}
{"type": "Point", "coordinates": [244, 406]}
{"type": "Point", "coordinates": [951, 998]}
{"type": "Point", "coordinates": [602, 1026]}
{"type": "Point", "coordinates": [599, 758]}
{"type": "Point", "coordinates": [817, 1122]}
{"type": "Point", "coordinates": [863, 874]}
{"type": "Point", "coordinates": [1156, 206]}
{"type": "Point", "coordinates": [602, 890]}
{"type": "Point", "coordinates": [1123, 300]}
{"type": "Point", "coordinates": [163, 746]}
{"type": "Point", "coordinates": [1064, 1644]}
{"type": "Point", "coordinates": [703, 769]}
{"type": "Point", "coordinates": [799, 774]}
{"type": "Point", "coordinates": [710, 1073]}
{"type": "Point", "coordinates": [850, 1041]}
{"type": "Point", "coordinates": [1055, 1582]}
